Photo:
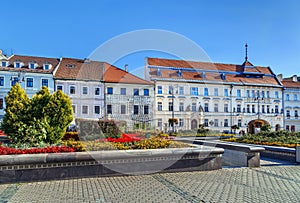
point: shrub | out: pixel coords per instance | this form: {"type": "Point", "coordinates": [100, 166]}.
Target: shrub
{"type": "Point", "coordinates": [88, 129]}
{"type": "Point", "coordinates": [44, 118]}
{"type": "Point", "coordinates": [71, 136]}
{"type": "Point", "coordinates": [109, 128]}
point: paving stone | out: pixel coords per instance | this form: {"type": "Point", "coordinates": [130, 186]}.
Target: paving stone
{"type": "Point", "coordinates": [270, 183]}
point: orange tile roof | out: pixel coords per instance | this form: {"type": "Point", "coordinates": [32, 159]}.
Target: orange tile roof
{"type": "Point", "coordinates": [79, 69]}
{"type": "Point", "coordinates": [93, 70]}
{"type": "Point", "coordinates": [234, 73]}
{"type": "Point", "coordinates": [117, 75]}
{"type": "Point", "coordinates": [290, 84]}
{"type": "Point", "coordinates": [40, 61]}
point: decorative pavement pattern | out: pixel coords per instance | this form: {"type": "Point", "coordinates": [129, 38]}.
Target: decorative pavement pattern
{"type": "Point", "coordinates": [273, 182]}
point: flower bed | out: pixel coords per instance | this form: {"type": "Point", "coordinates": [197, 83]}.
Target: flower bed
{"type": "Point", "coordinates": [280, 138]}
{"type": "Point", "coordinates": [53, 149]}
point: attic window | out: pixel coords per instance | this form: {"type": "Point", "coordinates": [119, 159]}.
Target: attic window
{"type": "Point", "coordinates": [223, 76]}
{"type": "Point", "coordinates": [158, 72]}
{"type": "Point", "coordinates": [4, 63]}
{"type": "Point", "coordinates": [179, 73]}
{"type": "Point", "coordinates": [32, 65]}
{"type": "Point", "coordinates": [46, 66]}
{"type": "Point", "coordinates": [17, 64]}
{"type": "Point", "coordinates": [70, 65]}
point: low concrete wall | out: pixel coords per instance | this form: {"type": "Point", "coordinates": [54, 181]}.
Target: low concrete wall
{"type": "Point", "coordinates": [235, 154]}
{"type": "Point", "coordinates": [38, 167]}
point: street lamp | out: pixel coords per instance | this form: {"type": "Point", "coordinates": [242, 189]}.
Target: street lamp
{"type": "Point", "coordinates": [231, 124]}
{"type": "Point", "coordinates": [258, 107]}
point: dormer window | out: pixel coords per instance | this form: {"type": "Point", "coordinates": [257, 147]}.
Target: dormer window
{"type": "Point", "coordinates": [223, 76]}
{"type": "Point", "coordinates": [4, 63]}
{"type": "Point", "coordinates": [70, 65]}
{"type": "Point", "coordinates": [47, 66]}
{"type": "Point", "coordinates": [179, 73]}
{"type": "Point", "coordinates": [158, 72]}
{"type": "Point", "coordinates": [17, 64]}
{"type": "Point", "coordinates": [203, 75]}
{"type": "Point", "coordinates": [32, 65]}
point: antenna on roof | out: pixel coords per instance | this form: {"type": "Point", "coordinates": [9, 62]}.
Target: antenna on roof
{"type": "Point", "coordinates": [246, 47]}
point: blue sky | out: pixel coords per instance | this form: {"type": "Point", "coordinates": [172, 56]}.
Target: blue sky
{"type": "Point", "coordinates": [75, 28]}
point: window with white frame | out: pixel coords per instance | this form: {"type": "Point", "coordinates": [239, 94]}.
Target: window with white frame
{"type": "Point", "coordinates": [146, 109]}
{"type": "Point", "coordinates": [194, 91]}
{"type": "Point", "coordinates": [287, 98]}
{"type": "Point", "coordinates": [295, 97]}
{"type": "Point", "coordinates": [32, 65]}
{"type": "Point", "coordinates": [181, 106]}
{"type": "Point", "coordinates": [123, 109]}
{"type": "Point", "coordinates": [181, 122]}
{"type": "Point", "coordinates": [159, 122]}
{"type": "Point", "coordinates": [74, 108]}
{"type": "Point", "coordinates": [238, 108]}
{"type": "Point", "coordinates": [225, 92]}
{"type": "Point", "coordinates": [206, 93]}
{"type": "Point", "coordinates": [206, 122]}
{"type": "Point", "coordinates": [194, 107]}
{"type": "Point", "coordinates": [136, 92]}
{"type": "Point", "coordinates": [238, 93]}
{"type": "Point", "coordinates": [216, 107]}
{"type": "Point", "coordinates": [4, 63]}
{"type": "Point", "coordinates": [216, 92]}
{"type": "Point", "coordinates": [225, 122]}
{"type": "Point", "coordinates": [29, 82]}
{"type": "Point", "coordinates": [247, 93]}
{"type": "Point", "coordinates": [181, 90]}
{"type": "Point", "coordinates": [135, 109]}
{"type": "Point", "coordinates": [268, 94]}
{"type": "Point", "coordinates": [46, 66]}
{"type": "Point", "coordinates": [216, 122]}
{"type": "Point", "coordinates": [1, 80]}
{"type": "Point", "coordinates": [123, 91]}
{"type": "Point", "coordinates": [159, 90]}
{"type": "Point", "coordinates": [85, 109]}
{"type": "Point", "coordinates": [205, 107]}
{"type": "Point", "coordinates": [109, 109]}
{"type": "Point", "coordinates": [59, 87]}
{"type": "Point", "coordinates": [97, 91]}
{"type": "Point", "coordinates": [1, 103]}
{"type": "Point", "coordinates": [17, 64]}
{"type": "Point", "coordinates": [110, 90]}
{"type": "Point", "coordinates": [276, 94]}
{"type": "Point", "coordinates": [226, 108]}
{"type": "Point", "coordinates": [253, 93]}
{"type": "Point", "coordinates": [45, 82]}
{"type": "Point", "coordinates": [159, 106]}
{"type": "Point", "coordinates": [146, 92]}
{"type": "Point", "coordinates": [84, 90]}
{"type": "Point", "coordinates": [97, 109]}
{"type": "Point", "coordinates": [72, 89]}
{"type": "Point", "coordinates": [240, 122]}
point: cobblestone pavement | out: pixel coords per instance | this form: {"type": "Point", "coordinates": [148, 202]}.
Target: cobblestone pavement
{"type": "Point", "coordinates": [273, 182]}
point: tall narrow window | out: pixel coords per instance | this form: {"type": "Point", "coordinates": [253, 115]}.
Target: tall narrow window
{"type": "Point", "coordinates": [238, 108]}
{"type": "Point", "coordinates": [206, 93]}
{"type": "Point", "coordinates": [248, 93]}
{"type": "Point", "coordinates": [181, 123]}
{"type": "Point", "coordinates": [146, 92]}
{"type": "Point", "coordinates": [216, 108]}
{"type": "Point", "coordinates": [248, 108]}
{"type": "Point", "coordinates": [146, 109]}
{"type": "Point", "coordinates": [216, 92]}
{"type": "Point", "coordinates": [288, 114]}
{"type": "Point", "coordinates": [84, 109]}
{"type": "Point", "coordinates": [240, 123]}
{"type": "Point", "coordinates": [159, 106]}
{"type": "Point", "coordinates": [296, 114]}
{"type": "Point", "coordinates": [225, 122]}
{"type": "Point", "coordinates": [123, 109]}
{"type": "Point", "coordinates": [110, 90]}
{"type": "Point", "coordinates": [194, 91]}
{"type": "Point", "coordinates": [276, 95]}
{"type": "Point", "coordinates": [72, 89]}
{"type": "Point", "coordinates": [109, 109]}
{"type": "Point", "coordinates": [29, 82]}
{"type": "Point", "coordinates": [181, 106]}
{"type": "Point", "coordinates": [295, 97]}
{"type": "Point", "coordinates": [159, 90]}
{"type": "Point", "coordinates": [225, 92]}
{"type": "Point", "coordinates": [123, 91]}
{"type": "Point", "coordinates": [136, 92]}
{"type": "Point", "coordinates": [276, 109]}
{"type": "Point", "coordinates": [97, 109]}
{"type": "Point", "coordinates": [287, 97]}
{"type": "Point", "coordinates": [181, 90]}
{"type": "Point", "coordinates": [84, 90]}
{"type": "Point", "coordinates": [238, 93]}
{"type": "Point", "coordinates": [1, 103]}
{"type": "Point", "coordinates": [135, 109]}
{"type": "Point", "coordinates": [97, 91]}
{"type": "Point", "coordinates": [253, 108]}
{"type": "Point", "coordinates": [1, 81]}
{"type": "Point", "coordinates": [194, 107]}
{"type": "Point", "coordinates": [45, 82]}
{"type": "Point", "coordinates": [206, 107]}
{"type": "Point", "coordinates": [226, 108]}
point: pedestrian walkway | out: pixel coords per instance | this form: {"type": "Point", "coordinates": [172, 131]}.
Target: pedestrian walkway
{"type": "Point", "coordinates": [275, 181]}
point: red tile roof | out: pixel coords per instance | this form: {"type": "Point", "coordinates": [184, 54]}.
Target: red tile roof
{"type": "Point", "coordinates": [93, 70]}
{"type": "Point", "coordinates": [79, 69]}
{"type": "Point", "coordinates": [117, 75]}
{"type": "Point", "coordinates": [233, 73]}
{"type": "Point", "coordinates": [290, 84]}
{"type": "Point", "coordinates": [40, 61]}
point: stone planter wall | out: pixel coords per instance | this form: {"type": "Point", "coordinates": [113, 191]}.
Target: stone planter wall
{"type": "Point", "coordinates": [39, 167]}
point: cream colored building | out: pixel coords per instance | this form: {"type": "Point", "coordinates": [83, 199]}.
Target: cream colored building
{"type": "Point", "coordinates": [291, 102]}
{"type": "Point", "coordinates": [214, 94]}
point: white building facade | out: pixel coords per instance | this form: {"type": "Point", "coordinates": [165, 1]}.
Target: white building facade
{"type": "Point", "coordinates": [128, 98]}
{"type": "Point", "coordinates": [291, 101]}
{"type": "Point", "coordinates": [216, 95]}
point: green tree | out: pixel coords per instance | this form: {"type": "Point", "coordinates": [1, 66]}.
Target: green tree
{"type": "Point", "coordinates": [59, 114]}
{"type": "Point", "coordinates": [43, 119]}
{"type": "Point", "coordinates": [16, 113]}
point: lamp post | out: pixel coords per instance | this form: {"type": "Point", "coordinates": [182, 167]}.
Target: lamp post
{"type": "Point", "coordinates": [173, 123]}
{"type": "Point", "coordinates": [258, 107]}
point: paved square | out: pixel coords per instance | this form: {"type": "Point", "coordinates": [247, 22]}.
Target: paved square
{"type": "Point", "coordinates": [270, 183]}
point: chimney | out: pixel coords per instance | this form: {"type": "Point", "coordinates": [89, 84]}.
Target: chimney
{"type": "Point", "coordinates": [295, 79]}
{"type": "Point", "coordinates": [126, 67]}
{"type": "Point", "coordinates": [279, 76]}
